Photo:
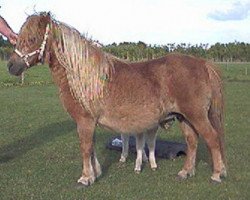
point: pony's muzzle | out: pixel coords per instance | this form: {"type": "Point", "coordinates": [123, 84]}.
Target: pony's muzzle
{"type": "Point", "coordinates": [16, 68]}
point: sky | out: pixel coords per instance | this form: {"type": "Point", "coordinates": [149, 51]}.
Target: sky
{"type": "Point", "coordinates": [151, 21]}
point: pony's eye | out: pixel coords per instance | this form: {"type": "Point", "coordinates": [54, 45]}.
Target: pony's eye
{"type": "Point", "coordinates": [32, 40]}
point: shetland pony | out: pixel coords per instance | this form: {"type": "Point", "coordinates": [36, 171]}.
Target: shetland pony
{"type": "Point", "coordinates": [97, 88]}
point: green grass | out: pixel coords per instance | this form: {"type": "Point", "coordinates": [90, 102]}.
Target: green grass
{"type": "Point", "coordinates": [40, 157]}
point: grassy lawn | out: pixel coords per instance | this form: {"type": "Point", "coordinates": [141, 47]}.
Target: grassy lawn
{"type": "Point", "coordinates": [40, 157]}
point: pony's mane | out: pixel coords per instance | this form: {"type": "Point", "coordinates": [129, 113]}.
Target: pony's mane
{"type": "Point", "coordinates": [88, 69]}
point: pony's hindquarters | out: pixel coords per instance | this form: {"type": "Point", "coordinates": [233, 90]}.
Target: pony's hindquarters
{"type": "Point", "coordinates": [202, 108]}
{"type": "Point", "coordinates": [212, 125]}
{"type": "Point", "coordinates": [216, 110]}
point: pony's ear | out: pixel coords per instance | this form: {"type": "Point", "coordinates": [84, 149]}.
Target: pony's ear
{"type": "Point", "coordinates": [46, 14]}
{"type": "Point", "coordinates": [46, 17]}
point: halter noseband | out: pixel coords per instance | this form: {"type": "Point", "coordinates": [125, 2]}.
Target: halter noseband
{"type": "Point", "coordinates": [39, 51]}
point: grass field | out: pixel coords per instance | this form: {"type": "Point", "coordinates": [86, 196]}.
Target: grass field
{"type": "Point", "coordinates": [40, 157]}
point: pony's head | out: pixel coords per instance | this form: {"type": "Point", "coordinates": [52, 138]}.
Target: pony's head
{"type": "Point", "coordinates": [31, 43]}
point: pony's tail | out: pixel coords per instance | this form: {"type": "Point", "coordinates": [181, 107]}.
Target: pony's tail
{"type": "Point", "coordinates": [216, 110]}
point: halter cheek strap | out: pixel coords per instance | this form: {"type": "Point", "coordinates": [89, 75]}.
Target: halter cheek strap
{"type": "Point", "coordinates": [39, 51]}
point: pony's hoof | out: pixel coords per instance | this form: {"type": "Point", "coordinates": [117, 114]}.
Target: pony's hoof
{"type": "Point", "coordinates": [137, 171]}
{"type": "Point", "coordinates": [122, 160]}
{"type": "Point", "coordinates": [182, 175]}
{"type": "Point", "coordinates": [215, 180]}
{"type": "Point", "coordinates": [153, 168]}
{"type": "Point", "coordinates": [180, 178]}
{"type": "Point", "coordinates": [80, 186]}
{"type": "Point", "coordinates": [86, 181]}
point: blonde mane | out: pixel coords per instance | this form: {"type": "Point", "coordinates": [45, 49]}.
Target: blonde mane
{"type": "Point", "coordinates": [88, 69]}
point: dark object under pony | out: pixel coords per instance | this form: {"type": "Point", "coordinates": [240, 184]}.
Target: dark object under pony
{"type": "Point", "coordinates": [163, 149]}
{"type": "Point", "coordinates": [97, 88]}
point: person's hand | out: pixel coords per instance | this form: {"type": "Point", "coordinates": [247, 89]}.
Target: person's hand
{"type": "Point", "coordinates": [13, 38]}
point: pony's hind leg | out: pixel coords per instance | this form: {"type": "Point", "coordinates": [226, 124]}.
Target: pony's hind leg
{"type": "Point", "coordinates": [191, 140]}
{"type": "Point", "coordinates": [140, 142]}
{"type": "Point", "coordinates": [203, 126]}
{"type": "Point", "coordinates": [91, 167]}
{"type": "Point", "coordinates": [125, 146]}
{"type": "Point", "coordinates": [151, 140]}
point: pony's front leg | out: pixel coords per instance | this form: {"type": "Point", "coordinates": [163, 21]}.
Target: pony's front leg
{"type": "Point", "coordinates": [140, 142]}
{"type": "Point", "coordinates": [125, 144]}
{"type": "Point", "coordinates": [91, 167]}
{"type": "Point", "coordinates": [151, 140]}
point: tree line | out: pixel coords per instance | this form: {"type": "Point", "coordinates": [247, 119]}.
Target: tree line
{"type": "Point", "coordinates": [219, 52]}
{"type": "Point", "coordinates": [5, 49]}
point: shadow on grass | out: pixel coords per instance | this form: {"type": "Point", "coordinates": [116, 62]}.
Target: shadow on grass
{"type": "Point", "coordinates": [203, 154]}
{"type": "Point", "coordinates": [110, 159]}
{"type": "Point", "coordinates": [38, 138]}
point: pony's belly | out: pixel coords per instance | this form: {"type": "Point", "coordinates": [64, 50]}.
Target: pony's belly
{"type": "Point", "coordinates": [129, 123]}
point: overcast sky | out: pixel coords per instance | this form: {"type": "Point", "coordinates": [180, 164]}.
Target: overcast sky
{"type": "Point", "coordinates": [151, 21]}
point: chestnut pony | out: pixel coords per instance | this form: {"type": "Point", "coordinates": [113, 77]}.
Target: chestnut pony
{"type": "Point", "coordinates": [97, 88]}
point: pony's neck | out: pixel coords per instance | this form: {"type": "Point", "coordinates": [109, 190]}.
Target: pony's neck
{"type": "Point", "coordinates": [84, 67]}
{"type": "Point", "coordinates": [58, 72]}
